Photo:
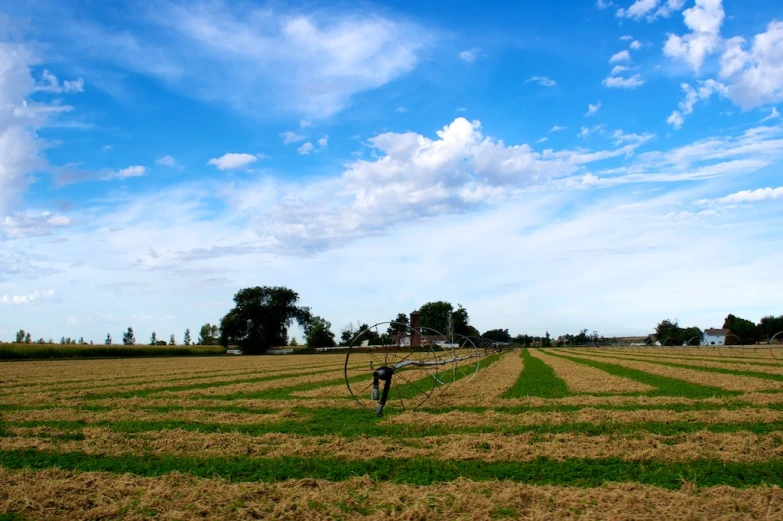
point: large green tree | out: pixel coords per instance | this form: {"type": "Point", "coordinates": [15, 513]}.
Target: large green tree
{"type": "Point", "coordinates": [746, 331]}
{"type": "Point", "coordinates": [397, 325]}
{"type": "Point", "coordinates": [769, 326]}
{"type": "Point", "coordinates": [208, 335]}
{"type": "Point", "coordinates": [442, 317]}
{"type": "Point", "coordinates": [261, 317]}
{"type": "Point", "coordinates": [318, 333]}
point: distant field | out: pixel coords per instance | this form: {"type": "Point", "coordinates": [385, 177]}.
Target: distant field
{"type": "Point", "coordinates": [645, 433]}
{"type": "Point", "coordinates": [40, 351]}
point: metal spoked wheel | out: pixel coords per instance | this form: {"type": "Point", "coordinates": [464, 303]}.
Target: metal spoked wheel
{"type": "Point", "coordinates": [382, 367]}
{"type": "Point", "coordinates": [464, 357]}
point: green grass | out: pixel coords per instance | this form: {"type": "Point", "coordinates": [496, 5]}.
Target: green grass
{"type": "Point", "coordinates": [421, 471]}
{"type": "Point", "coordinates": [537, 379]}
{"type": "Point", "coordinates": [720, 370]}
{"type": "Point", "coordinates": [664, 386]}
{"type": "Point", "coordinates": [52, 351]}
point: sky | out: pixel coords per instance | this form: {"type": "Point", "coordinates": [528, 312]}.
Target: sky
{"type": "Point", "coordinates": [551, 166]}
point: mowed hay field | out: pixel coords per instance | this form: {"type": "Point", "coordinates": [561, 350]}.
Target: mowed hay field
{"type": "Point", "coordinates": [654, 433]}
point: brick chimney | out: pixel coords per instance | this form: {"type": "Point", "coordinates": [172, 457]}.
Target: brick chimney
{"type": "Point", "coordinates": [415, 325]}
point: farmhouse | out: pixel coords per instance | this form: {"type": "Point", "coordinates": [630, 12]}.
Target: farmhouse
{"type": "Point", "coordinates": [715, 337]}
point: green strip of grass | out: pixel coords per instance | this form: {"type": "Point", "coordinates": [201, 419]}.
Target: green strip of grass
{"type": "Point", "coordinates": [720, 370]}
{"type": "Point", "coordinates": [664, 386]}
{"type": "Point", "coordinates": [537, 379]}
{"type": "Point", "coordinates": [683, 357]}
{"type": "Point", "coordinates": [358, 422]}
{"type": "Point", "coordinates": [542, 471]}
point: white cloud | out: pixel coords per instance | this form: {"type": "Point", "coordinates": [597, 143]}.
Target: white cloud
{"type": "Point", "coordinates": [617, 82]}
{"type": "Point", "coordinates": [401, 110]}
{"type": "Point", "coordinates": [291, 137]}
{"type": "Point", "coordinates": [755, 77]}
{"type": "Point", "coordinates": [704, 20]}
{"type": "Point", "coordinates": [22, 224]}
{"type": "Point", "coordinates": [305, 124]}
{"type": "Point", "coordinates": [541, 140]}
{"type": "Point", "coordinates": [20, 300]}
{"type": "Point", "coordinates": [50, 83]}
{"type": "Point", "coordinates": [125, 173]}
{"type": "Point", "coordinates": [328, 56]}
{"type": "Point", "coordinates": [752, 196]}
{"type": "Point", "coordinates": [603, 4]}
{"type": "Point", "coordinates": [636, 45]}
{"type": "Point", "coordinates": [166, 161]}
{"type": "Point", "coordinates": [232, 160]}
{"type": "Point", "coordinates": [592, 109]}
{"type": "Point", "coordinates": [617, 69]}
{"type": "Point", "coordinates": [323, 141]}
{"type": "Point", "coordinates": [461, 109]}
{"type": "Point", "coordinates": [692, 96]}
{"type": "Point", "coordinates": [306, 149]}
{"type": "Point", "coordinates": [650, 9]}
{"type": "Point", "coordinates": [544, 81]}
{"type": "Point", "coordinates": [622, 56]}
{"type": "Point", "coordinates": [773, 115]}
{"type": "Point", "coordinates": [557, 128]}
{"type": "Point", "coordinates": [626, 38]}
{"type": "Point", "coordinates": [470, 55]}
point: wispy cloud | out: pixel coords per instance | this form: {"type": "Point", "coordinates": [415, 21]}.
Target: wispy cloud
{"type": "Point", "coordinates": [470, 55]}
{"type": "Point", "coordinates": [544, 81]}
{"type": "Point", "coordinates": [592, 109]}
{"type": "Point", "coordinates": [125, 173]}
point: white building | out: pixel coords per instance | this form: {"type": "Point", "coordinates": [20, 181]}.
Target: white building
{"type": "Point", "coordinates": [715, 337]}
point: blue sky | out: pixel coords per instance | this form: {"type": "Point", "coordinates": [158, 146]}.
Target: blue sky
{"type": "Point", "coordinates": [551, 166]}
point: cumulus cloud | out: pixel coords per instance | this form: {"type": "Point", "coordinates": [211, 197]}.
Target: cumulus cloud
{"type": "Point", "coordinates": [754, 76]}
{"type": "Point", "coordinates": [622, 56]}
{"type": "Point", "coordinates": [544, 81]}
{"type": "Point", "coordinates": [232, 160]}
{"type": "Point", "coordinates": [470, 55]}
{"type": "Point", "coordinates": [592, 109]}
{"type": "Point", "coordinates": [692, 96]}
{"type": "Point", "coordinates": [704, 20]}
{"type": "Point", "coordinates": [125, 173]}
{"type": "Point", "coordinates": [50, 83]}
{"type": "Point", "coordinates": [306, 149]}
{"type": "Point", "coordinates": [291, 137]}
{"type": "Point", "coordinates": [305, 124]}
{"type": "Point", "coordinates": [21, 300]}
{"type": "Point", "coordinates": [616, 82]}
{"type": "Point", "coordinates": [166, 161]}
{"type": "Point", "coordinates": [752, 196]}
{"type": "Point", "coordinates": [24, 224]}
{"type": "Point", "coordinates": [636, 45]}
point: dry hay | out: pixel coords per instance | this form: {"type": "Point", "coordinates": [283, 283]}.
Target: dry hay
{"type": "Point", "coordinates": [587, 415]}
{"type": "Point", "coordinates": [699, 362]}
{"type": "Point", "coordinates": [724, 381]}
{"type": "Point", "coordinates": [485, 387]}
{"type": "Point", "coordinates": [57, 495]}
{"type": "Point", "coordinates": [727, 447]}
{"type": "Point", "coordinates": [585, 379]}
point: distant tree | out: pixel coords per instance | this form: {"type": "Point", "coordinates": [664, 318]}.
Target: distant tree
{"type": "Point", "coordinates": [523, 340]}
{"type": "Point", "coordinates": [40, 341]}
{"type": "Point", "coordinates": [746, 331]}
{"type": "Point", "coordinates": [186, 338]}
{"type": "Point", "coordinates": [397, 327]}
{"type": "Point", "coordinates": [370, 335]}
{"type": "Point", "coordinates": [769, 326]}
{"type": "Point", "coordinates": [497, 335]}
{"type": "Point", "coordinates": [261, 317]}
{"type": "Point", "coordinates": [63, 341]}
{"type": "Point", "coordinates": [546, 341]}
{"type": "Point", "coordinates": [172, 340]}
{"type": "Point", "coordinates": [20, 336]}
{"type": "Point", "coordinates": [154, 339]}
{"type": "Point", "coordinates": [437, 316]}
{"type": "Point", "coordinates": [318, 332]}
{"type": "Point", "coordinates": [208, 336]}
{"type": "Point", "coordinates": [347, 335]}
{"type": "Point", "coordinates": [293, 342]}
{"type": "Point", "coordinates": [669, 332]}
{"type": "Point", "coordinates": [81, 340]}
{"type": "Point", "coordinates": [91, 342]}
{"type": "Point", "coordinates": [108, 339]}
{"type": "Point", "coordinates": [28, 339]}
{"type": "Point", "coordinates": [693, 335]}
{"type": "Point", "coordinates": [127, 338]}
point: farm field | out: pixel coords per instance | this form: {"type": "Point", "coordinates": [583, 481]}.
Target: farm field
{"type": "Point", "coordinates": [579, 433]}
